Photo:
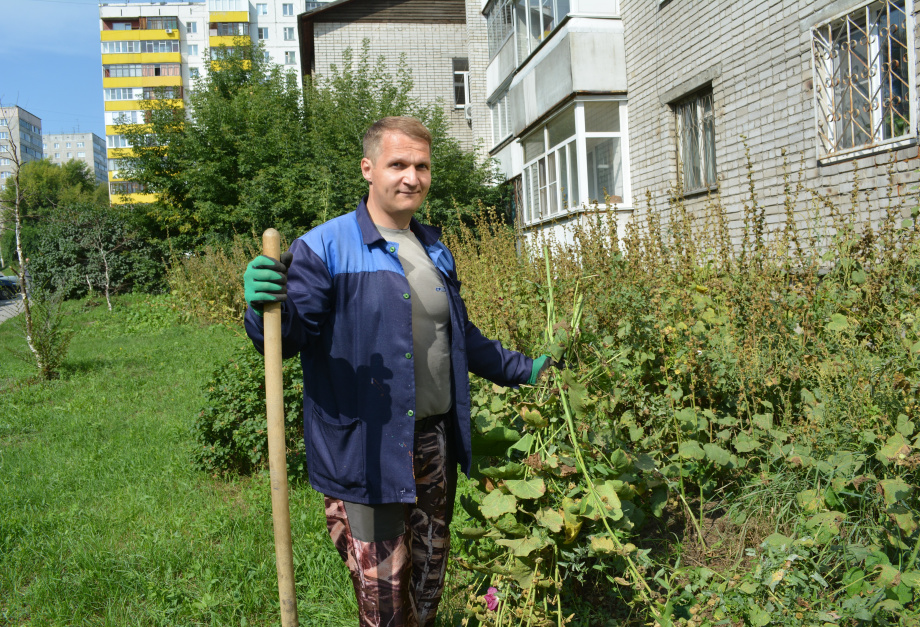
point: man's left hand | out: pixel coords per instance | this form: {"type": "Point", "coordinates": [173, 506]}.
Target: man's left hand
{"type": "Point", "coordinates": [540, 365]}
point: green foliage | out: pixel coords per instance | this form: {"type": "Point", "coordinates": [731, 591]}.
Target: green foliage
{"type": "Point", "coordinates": [82, 248]}
{"type": "Point", "coordinates": [717, 397]}
{"type": "Point", "coordinates": [47, 332]}
{"type": "Point", "coordinates": [262, 151]}
{"type": "Point", "coordinates": [231, 429]}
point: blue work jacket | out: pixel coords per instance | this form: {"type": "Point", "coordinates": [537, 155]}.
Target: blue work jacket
{"type": "Point", "coordinates": [349, 315]}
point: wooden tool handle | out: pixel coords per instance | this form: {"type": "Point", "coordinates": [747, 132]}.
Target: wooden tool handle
{"type": "Point", "coordinates": [277, 462]}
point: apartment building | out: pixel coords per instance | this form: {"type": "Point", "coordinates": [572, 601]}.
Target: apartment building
{"type": "Point", "coordinates": [158, 49]}
{"type": "Point", "coordinates": [20, 140]}
{"type": "Point", "coordinates": [556, 93]}
{"type": "Point", "coordinates": [89, 148]}
{"type": "Point", "coordinates": [833, 83]}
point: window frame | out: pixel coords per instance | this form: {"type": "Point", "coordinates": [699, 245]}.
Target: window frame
{"type": "Point", "coordinates": [537, 185]}
{"type": "Point", "coordinates": [262, 33]}
{"type": "Point", "coordinates": [696, 99]}
{"type": "Point", "coordinates": [261, 8]}
{"type": "Point", "coordinates": [290, 57]}
{"type": "Point", "coordinates": [285, 8]}
{"type": "Point", "coordinates": [461, 77]}
{"type": "Point", "coordinates": [290, 30]}
{"type": "Point", "coordinates": [825, 142]}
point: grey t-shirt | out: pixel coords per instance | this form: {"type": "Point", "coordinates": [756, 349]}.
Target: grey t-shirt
{"type": "Point", "coordinates": [430, 320]}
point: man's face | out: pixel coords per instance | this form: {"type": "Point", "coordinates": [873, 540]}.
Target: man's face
{"type": "Point", "coordinates": [399, 178]}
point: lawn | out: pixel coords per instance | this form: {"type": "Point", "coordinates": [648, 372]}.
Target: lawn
{"type": "Point", "coordinates": [104, 520]}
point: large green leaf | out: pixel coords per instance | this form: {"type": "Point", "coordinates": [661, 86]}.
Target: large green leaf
{"type": "Point", "coordinates": [510, 470]}
{"type": "Point", "coordinates": [522, 547]}
{"type": "Point", "coordinates": [526, 488]}
{"type": "Point", "coordinates": [838, 323]}
{"type": "Point", "coordinates": [551, 518]}
{"type": "Point", "coordinates": [509, 525]}
{"type": "Point", "coordinates": [691, 449]}
{"type": "Point", "coordinates": [611, 502]}
{"type": "Point", "coordinates": [717, 455]}
{"type": "Point", "coordinates": [894, 490]}
{"type": "Point", "coordinates": [578, 393]}
{"type": "Point", "coordinates": [744, 443]}
{"type": "Point", "coordinates": [895, 448]}
{"type": "Point", "coordinates": [495, 441]}
{"type": "Point", "coordinates": [497, 504]}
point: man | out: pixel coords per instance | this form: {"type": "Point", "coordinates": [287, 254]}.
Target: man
{"type": "Point", "coordinates": [371, 301]}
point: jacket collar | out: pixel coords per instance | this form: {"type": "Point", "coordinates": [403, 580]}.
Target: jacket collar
{"type": "Point", "coordinates": [427, 235]}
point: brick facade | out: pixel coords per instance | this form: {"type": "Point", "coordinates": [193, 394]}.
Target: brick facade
{"type": "Point", "coordinates": [757, 57]}
{"type": "Point", "coordinates": [429, 51]}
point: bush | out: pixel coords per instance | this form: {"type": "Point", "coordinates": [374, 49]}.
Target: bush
{"type": "Point", "coordinates": [231, 429]}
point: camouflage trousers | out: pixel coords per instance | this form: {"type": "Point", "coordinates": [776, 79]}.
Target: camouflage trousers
{"type": "Point", "coordinates": [398, 573]}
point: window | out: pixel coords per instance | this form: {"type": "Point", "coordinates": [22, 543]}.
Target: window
{"type": "Point", "coordinates": [290, 57]}
{"type": "Point", "coordinates": [162, 23]}
{"type": "Point", "coordinates": [287, 9]}
{"type": "Point", "coordinates": [162, 69]}
{"type": "Point", "coordinates": [863, 79]}
{"type": "Point", "coordinates": [81, 155]}
{"type": "Point", "coordinates": [5, 161]}
{"type": "Point", "coordinates": [79, 144]}
{"type": "Point", "coordinates": [117, 141]}
{"type": "Point", "coordinates": [121, 25]}
{"type": "Point", "coordinates": [123, 93]}
{"type": "Point", "coordinates": [157, 93]}
{"type": "Point", "coordinates": [125, 187]}
{"type": "Point", "coordinates": [193, 72]}
{"type": "Point", "coordinates": [57, 155]}
{"type": "Point", "coordinates": [534, 20]}
{"type": "Point", "coordinates": [461, 83]}
{"type": "Point", "coordinates": [130, 47]}
{"type": "Point", "coordinates": [70, 155]}
{"type": "Point", "coordinates": [288, 33]}
{"type": "Point", "coordinates": [696, 142]}
{"type": "Point", "coordinates": [263, 34]}
{"type": "Point", "coordinates": [565, 167]}
{"type": "Point", "coordinates": [67, 145]}
{"type": "Point", "coordinates": [501, 119]}
{"type": "Point", "coordinates": [230, 29]}
{"type": "Point", "coordinates": [115, 118]}
{"type": "Point", "coordinates": [193, 50]}
{"type": "Point", "coordinates": [499, 25]}
{"type": "Point", "coordinates": [44, 146]}
{"type": "Point", "coordinates": [261, 8]}
{"type": "Point", "coordinates": [191, 27]}
{"type": "Point", "coordinates": [57, 145]}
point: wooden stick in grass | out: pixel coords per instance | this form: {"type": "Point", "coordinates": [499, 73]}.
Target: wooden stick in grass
{"type": "Point", "coordinates": [277, 462]}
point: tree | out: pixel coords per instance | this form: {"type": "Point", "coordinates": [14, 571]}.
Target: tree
{"type": "Point", "coordinates": [256, 149]}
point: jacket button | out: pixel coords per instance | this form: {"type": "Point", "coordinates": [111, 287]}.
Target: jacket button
{"type": "Point", "coordinates": [408, 355]}
{"type": "Point", "coordinates": [392, 249]}
{"type": "Point", "coordinates": [405, 296]}
{"type": "Point", "coordinates": [410, 413]}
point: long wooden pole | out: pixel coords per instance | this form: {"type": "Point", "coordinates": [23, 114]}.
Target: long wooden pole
{"type": "Point", "coordinates": [277, 462]}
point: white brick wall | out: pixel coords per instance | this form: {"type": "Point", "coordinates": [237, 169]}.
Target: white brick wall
{"type": "Point", "coordinates": [764, 93]}
{"type": "Point", "coordinates": [429, 49]}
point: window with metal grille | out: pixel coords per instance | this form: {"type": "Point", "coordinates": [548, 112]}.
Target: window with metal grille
{"type": "Point", "coordinates": [696, 142]}
{"type": "Point", "coordinates": [461, 82]}
{"type": "Point", "coordinates": [863, 80]}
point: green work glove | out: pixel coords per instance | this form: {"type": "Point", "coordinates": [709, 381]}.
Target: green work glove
{"type": "Point", "coordinates": [265, 281]}
{"type": "Point", "coordinates": [540, 365]}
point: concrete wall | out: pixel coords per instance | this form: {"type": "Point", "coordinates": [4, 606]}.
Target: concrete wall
{"type": "Point", "coordinates": [93, 151]}
{"type": "Point", "coordinates": [429, 49]}
{"type": "Point", "coordinates": [757, 56]}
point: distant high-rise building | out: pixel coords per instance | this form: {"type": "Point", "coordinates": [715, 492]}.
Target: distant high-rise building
{"type": "Point", "coordinates": [89, 148]}
{"type": "Point", "coordinates": [156, 50]}
{"type": "Point", "coordinates": [20, 139]}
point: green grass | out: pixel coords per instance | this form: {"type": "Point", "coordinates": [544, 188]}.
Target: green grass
{"type": "Point", "coordinates": [103, 520]}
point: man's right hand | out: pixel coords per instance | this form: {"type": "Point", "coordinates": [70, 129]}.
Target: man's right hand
{"type": "Point", "coordinates": [265, 281]}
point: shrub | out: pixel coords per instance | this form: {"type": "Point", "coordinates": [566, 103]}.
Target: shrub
{"type": "Point", "coordinates": [231, 429]}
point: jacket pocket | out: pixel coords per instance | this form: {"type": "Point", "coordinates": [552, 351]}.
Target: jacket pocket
{"type": "Point", "coordinates": [337, 456]}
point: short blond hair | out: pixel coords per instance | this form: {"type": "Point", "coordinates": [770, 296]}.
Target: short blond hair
{"type": "Point", "coordinates": [395, 124]}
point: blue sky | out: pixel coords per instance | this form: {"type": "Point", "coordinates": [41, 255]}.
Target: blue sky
{"type": "Point", "coordinates": [52, 65]}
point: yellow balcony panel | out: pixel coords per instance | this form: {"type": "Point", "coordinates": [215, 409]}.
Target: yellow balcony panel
{"type": "Point", "coordinates": [123, 105]}
{"type": "Point", "coordinates": [228, 40]}
{"type": "Point", "coordinates": [116, 129]}
{"type": "Point", "coordinates": [142, 81]}
{"type": "Point", "coordinates": [138, 35]}
{"type": "Point", "coordinates": [229, 16]}
{"type": "Point", "coordinates": [137, 105]}
{"type": "Point", "coordinates": [216, 66]}
{"type": "Point", "coordinates": [119, 153]}
{"type": "Point", "coordinates": [137, 199]}
{"type": "Point", "coordinates": [142, 57]}
{"type": "Point", "coordinates": [113, 177]}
